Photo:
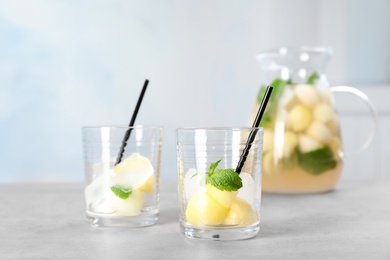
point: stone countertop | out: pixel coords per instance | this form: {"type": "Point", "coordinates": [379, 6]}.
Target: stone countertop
{"type": "Point", "coordinates": [47, 221]}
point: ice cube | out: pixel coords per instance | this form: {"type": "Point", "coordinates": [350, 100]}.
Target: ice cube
{"type": "Point", "coordinates": [193, 183]}
{"type": "Point", "coordinates": [97, 193]}
{"type": "Point", "coordinates": [248, 189]}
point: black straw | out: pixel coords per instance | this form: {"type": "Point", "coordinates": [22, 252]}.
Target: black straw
{"type": "Point", "coordinates": [254, 130]}
{"type": "Point", "coordinates": [132, 121]}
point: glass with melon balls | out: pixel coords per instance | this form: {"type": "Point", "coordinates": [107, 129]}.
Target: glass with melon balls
{"type": "Point", "coordinates": [302, 150]}
{"type": "Point", "coordinates": [217, 202]}
{"type": "Point", "coordinates": [122, 176]}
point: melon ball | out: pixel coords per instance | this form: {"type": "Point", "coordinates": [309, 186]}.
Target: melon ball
{"type": "Point", "coordinates": [307, 95]}
{"type": "Point", "coordinates": [299, 118]}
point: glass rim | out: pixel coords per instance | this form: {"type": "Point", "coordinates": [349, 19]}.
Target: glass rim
{"type": "Point", "coordinates": [123, 127]}
{"type": "Point", "coordinates": [285, 50]}
{"type": "Point", "coordinates": [219, 128]}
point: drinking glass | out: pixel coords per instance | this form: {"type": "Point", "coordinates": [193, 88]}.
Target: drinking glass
{"type": "Point", "coordinates": [211, 207]}
{"type": "Point", "coordinates": [122, 172]}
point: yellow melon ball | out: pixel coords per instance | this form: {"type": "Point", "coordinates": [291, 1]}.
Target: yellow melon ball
{"type": "Point", "coordinates": [299, 118]}
{"type": "Point", "coordinates": [307, 95]}
{"type": "Point", "coordinates": [240, 213]}
{"type": "Point", "coordinates": [204, 210]}
{"type": "Point", "coordinates": [323, 112]}
{"type": "Point", "coordinates": [148, 185]}
{"type": "Point", "coordinates": [225, 198]}
{"type": "Point", "coordinates": [319, 132]}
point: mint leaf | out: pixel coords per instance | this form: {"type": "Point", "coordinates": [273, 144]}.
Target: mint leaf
{"type": "Point", "coordinates": [121, 192]}
{"type": "Point", "coordinates": [213, 166]}
{"type": "Point", "coordinates": [223, 179]}
{"type": "Point", "coordinates": [278, 86]}
{"type": "Point", "coordinates": [313, 78]}
{"type": "Point", "coordinates": [317, 161]}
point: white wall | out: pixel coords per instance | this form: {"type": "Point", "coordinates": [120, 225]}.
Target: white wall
{"type": "Point", "coordinates": [65, 64]}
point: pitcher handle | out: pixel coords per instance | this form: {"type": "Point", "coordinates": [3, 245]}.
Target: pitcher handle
{"type": "Point", "coordinates": [371, 109]}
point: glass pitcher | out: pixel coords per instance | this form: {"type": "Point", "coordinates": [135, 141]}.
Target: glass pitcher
{"type": "Point", "coordinates": [302, 149]}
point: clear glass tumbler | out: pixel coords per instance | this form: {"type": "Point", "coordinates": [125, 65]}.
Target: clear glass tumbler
{"type": "Point", "coordinates": [216, 202]}
{"type": "Point", "coordinates": [122, 177]}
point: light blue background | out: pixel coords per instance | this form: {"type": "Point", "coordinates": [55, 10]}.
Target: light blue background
{"type": "Point", "coordinates": [65, 64]}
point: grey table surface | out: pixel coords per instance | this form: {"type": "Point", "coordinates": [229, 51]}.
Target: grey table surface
{"type": "Point", "coordinates": [47, 221]}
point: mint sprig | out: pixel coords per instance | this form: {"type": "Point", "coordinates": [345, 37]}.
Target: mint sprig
{"type": "Point", "coordinates": [313, 78]}
{"type": "Point", "coordinates": [223, 179]}
{"type": "Point", "coordinates": [121, 191]}
{"type": "Point", "coordinates": [317, 161]}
